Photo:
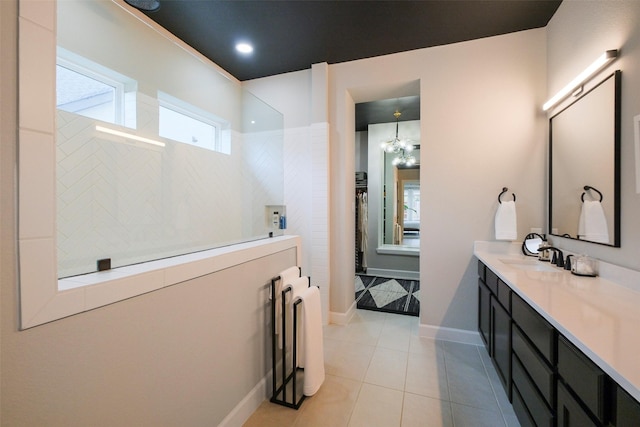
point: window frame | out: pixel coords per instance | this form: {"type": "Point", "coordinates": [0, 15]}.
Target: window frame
{"type": "Point", "coordinates": [119, 87]}
{"type": "Point", "coordinates": [192, 112]}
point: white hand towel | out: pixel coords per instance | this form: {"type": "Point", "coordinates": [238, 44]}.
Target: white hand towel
{"type": "Point", "coordinates": [592, 224]}
{"type": "Point", "coordinates": [286, 276]}
{"type": "Point", "coordinates": [311, 330]}
{"type": "Point", "coordinates": [298, 285]}
{"type": "Point", "coordinates": [506, 222]}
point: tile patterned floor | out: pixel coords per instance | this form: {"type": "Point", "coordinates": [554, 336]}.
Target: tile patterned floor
{"type": "Point", "coordinates": [379, 372]}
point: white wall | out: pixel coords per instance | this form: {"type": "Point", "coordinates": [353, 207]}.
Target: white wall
{"type": "Point", "coordinates": [481, 129]}
{"type": "Point", "coordinates": [301, 97]}
{"type": "Point", "coordinates": [8, 120]}
{"type": "Point", "coordinates": [577, 34]}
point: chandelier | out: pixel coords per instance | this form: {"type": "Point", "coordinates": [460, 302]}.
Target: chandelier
{"type": "Point", "coordinates": [401, 147]}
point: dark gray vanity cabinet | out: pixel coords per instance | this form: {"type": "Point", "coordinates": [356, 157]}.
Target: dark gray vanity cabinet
{"type": "Point", "coordinates": [626, 410]}
{"type": "Point", "coordinates": [582, 388]}
{"type": "Point", "coordinates": [484, 314]}
{"type": "Point", "coordinates": [533, 359]}
{"type": "Point", "coordinates": [550, 382]}
{"type": "Point", "coordinates": [487, 285]}
{"type": "Point", "coordinates": [501, 334]}
{"type": "Point", "coordinates": [494, 322]}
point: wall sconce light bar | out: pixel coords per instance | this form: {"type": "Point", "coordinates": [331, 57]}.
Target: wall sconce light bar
{"type": "Point", "coordinates": [129, 136]}
{"type": "Point", "coordinates": [604, 59]}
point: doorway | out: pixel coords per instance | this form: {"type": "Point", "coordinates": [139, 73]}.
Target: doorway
{"type": "Point", "coordinates": [387, 189]}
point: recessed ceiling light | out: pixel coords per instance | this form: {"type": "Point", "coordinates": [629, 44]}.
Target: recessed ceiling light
{"type": "Point", "coordinates": [244, 48]}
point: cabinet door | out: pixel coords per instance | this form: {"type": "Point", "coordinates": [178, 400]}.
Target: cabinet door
{"type": "Point", "coordinates": [501, 343]}
{"type": "Point", "coordinates": [586, 380]}
{"type": "Point", "coordinates": [627, 409]}
{"type": "Point", "coordinates": [484, 314]}
{"type": "Point", "coordinates": [570, 413]}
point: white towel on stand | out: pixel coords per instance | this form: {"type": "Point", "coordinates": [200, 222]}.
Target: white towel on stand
{"type": "Point", "coordinates": [505, 222]}
{"type": "Point", "coordinates": [592, 224]}
{"type": "Point", "coordinates": [312, 354]}
{"type": "Point", "coordinates": [298, 285]}
{"type": "Point", "coordinates": [286, 276]}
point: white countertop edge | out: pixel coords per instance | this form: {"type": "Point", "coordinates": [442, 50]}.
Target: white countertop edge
{"type": "Point", "coordinates": [488, 253]}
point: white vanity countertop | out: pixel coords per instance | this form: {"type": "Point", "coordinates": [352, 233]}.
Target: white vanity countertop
{"type": "Point", "coordinates": [600, 317]}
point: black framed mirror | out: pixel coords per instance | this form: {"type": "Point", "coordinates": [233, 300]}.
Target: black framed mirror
{"type": "Point", "coordinates": [584, 166]}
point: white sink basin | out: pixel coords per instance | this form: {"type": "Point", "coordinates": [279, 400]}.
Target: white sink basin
{"type": "Point", "coordinates": [530, 265]}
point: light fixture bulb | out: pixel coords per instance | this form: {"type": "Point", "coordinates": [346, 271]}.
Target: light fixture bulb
{"type": "Point", "coordinates": [244, 48]}
{"type": "Point", "coordinates": [602, 60]}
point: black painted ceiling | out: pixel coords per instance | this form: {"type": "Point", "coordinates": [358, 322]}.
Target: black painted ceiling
{"type": "Point", "coordinates": [292, 35]}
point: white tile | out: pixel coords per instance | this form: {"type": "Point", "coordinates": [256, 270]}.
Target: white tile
{"type": "Point", "coordinates": [466, 416]}
{"type": "Point", "coordinates": [183, 272]}
{"type": "Point", "coordinates": [426, 346]}
{"type": "Point", "coordinates": [498, 389]}
{"type": "Point", "coordinates": [36, 77]}
{"type": "Point", "coordinates": [388, 368]}
{"type": "Point", "coordinates": [427, 376]}
{"type": "Point", "coordinates": [349, 360]}
{"type": "Point", "coordinates": [119, 289]}
{"type": "Point", "coordinates": [37, 185]}
{"type": "Point", "coordinates": [470, 387]}
{"type": "Point", "coordinates": [395, 337]}
{"type": "Point", "coordinates": [332, 405]}
{"type": "Point", "coordinates": [38, 276]}
{"type": "Point", "coordinates": [62, 305]}
{"type": "Point", "coordinates": [420, 411]}
{"type": "Point", "coordinates": [377, 407]}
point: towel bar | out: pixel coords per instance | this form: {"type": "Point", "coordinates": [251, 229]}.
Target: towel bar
{"type": "Point", "coordinates": [504, 190]}
{"type": "Point", "coordinates": [587, 188]}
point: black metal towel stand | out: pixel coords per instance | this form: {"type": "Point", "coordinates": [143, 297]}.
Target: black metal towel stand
{"type": "Point", "coordinates": [279, 392]}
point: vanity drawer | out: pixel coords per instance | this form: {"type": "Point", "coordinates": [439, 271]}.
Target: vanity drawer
{"type": "Point", "coordinates": [521, 409]}
{"type": "Point", "coordinates": [540, 373]}
{"type": "Point", "coordinates": [536, 405]}
{"type": "Point", "coordinates": [535, 327]}
{"type": "Point", "coordinates": [504, 295]}
{"type": "Point", "coordinates": [481, 268]}
{"type": "Point", "coordinates": [570, 413]}
{"type": "Point", "coordinates": [491, 280]}
{"type": "Point", "coordinates": [582, 376]}
{"type": "Point", "coordinates": [627, 409]}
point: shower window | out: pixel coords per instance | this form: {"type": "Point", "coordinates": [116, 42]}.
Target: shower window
{"type": "Point", "coordinates": [183, 122]}
{"type": "Point", "coordinates": [94, 91]}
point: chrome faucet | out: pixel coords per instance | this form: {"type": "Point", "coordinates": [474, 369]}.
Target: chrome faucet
{"type": "Point", "coordinates": [558, 256]}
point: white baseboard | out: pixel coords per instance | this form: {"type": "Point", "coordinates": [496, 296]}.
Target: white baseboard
{"type": "Point", "coordinates": [342, 318]}
{"type": "Point", "coordinates": [450, 334]}
{"type": "Point", "coordinates": [394, 274]}
{"type": "Point", "coordinates": [247, 406]}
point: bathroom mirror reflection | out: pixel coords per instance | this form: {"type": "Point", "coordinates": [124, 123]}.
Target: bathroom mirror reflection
{"type": "Point", "coordinates": [584, 166]}
{"type": "Point", "coordinates": [401, 202]}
